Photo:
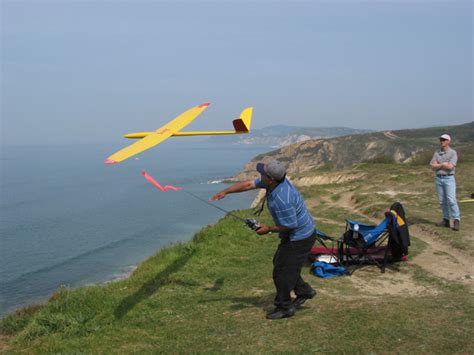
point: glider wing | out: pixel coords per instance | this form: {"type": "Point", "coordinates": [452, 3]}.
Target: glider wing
{"type": "Point", "coordinates": [241, 126]}
{"type": "Point", "coordinates": [154, 138]}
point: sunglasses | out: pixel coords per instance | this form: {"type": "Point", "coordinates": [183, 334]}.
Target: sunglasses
{"type": "Point", "coordinates": [442, 139]}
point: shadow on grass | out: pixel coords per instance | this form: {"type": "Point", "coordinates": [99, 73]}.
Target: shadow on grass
{"type": "Point", "coordinates": [239, 303]}
{"type": "Point", "coordinates": [419, 220]}
{"type": "Point", "coordinates": [217, 285]}
{"type": "Point", "coordinates": [152, 285]}
{"type": "Point", "coordinates": [391, 265]}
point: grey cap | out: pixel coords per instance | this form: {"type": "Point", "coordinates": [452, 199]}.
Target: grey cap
{"type": "Point", "coordinates": [274, 169]}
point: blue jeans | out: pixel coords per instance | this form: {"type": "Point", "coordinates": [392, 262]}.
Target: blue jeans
{"type": "Point", "coordinates": [446, 188]}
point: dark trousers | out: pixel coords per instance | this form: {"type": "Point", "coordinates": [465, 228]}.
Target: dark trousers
{"type": "Point", "coordinates": [287, 263]}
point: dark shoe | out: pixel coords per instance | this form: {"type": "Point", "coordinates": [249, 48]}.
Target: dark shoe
{"type": "Point", "coordinates": [456, 224]}
{"type": "Point", "coordinates": [299, 300]}
{"type": "Point", "coordinates": [443, 223]}
{"type": "Point", "coordinates": [280, 313]}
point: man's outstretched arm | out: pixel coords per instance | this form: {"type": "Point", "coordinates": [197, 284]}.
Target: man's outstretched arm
{"type": "Point", "coordinates": [237, 187]}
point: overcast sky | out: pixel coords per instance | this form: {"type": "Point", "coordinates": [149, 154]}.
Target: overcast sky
{"type": "Point", "coordinates": [89, 71]}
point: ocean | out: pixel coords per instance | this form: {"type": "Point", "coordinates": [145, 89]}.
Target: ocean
{"type": "Point", "coordinates": [69, 220]}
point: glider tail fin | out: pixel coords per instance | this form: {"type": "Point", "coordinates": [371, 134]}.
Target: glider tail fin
{"type": "Point", "coordinates": [242, 124]}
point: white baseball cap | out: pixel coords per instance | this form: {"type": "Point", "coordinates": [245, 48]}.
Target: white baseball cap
{"type": "Point", "coordinates": [445, 136]}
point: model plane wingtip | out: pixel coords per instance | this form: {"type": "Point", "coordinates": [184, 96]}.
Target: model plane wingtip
{"type": "Point", "coordinates": [204, 105]}
{"type": "Point", "coordinates": [110, 161]}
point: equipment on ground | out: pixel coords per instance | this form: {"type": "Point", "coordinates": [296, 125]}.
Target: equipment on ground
{"type": "Point", "coordinates": [363, 243]}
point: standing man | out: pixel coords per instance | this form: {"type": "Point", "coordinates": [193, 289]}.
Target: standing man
{"type": "Point", "coordinates": [443, 164]}
{"type": "Point", "coordinates": [296, 230]}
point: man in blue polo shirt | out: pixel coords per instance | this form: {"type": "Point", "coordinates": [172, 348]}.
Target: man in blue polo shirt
{"type": "Point", "coordinates": [296, 230]}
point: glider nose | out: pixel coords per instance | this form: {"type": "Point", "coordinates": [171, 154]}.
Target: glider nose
{"type": "Point", "coordinates": [110, 161]}
{"type": "Point", "coordinates": [204, 105]}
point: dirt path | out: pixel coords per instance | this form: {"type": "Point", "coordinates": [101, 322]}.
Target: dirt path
{"type": "Point", "coordinates": [389, 134]}
{"type": "Point", "coordinates": [438, 258]}
{"type": "Point", "coordinates": [443, 260]}
{"type": "Point", "coordinates": [346, 201]}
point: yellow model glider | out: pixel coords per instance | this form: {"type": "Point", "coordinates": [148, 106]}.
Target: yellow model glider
{"type": "Point", "coordinates": [173, 128]}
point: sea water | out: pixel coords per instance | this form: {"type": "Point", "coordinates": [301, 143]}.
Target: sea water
{"type": "Point", "coordinates": [69, 220]}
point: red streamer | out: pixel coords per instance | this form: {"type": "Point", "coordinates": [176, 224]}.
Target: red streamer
{"type": "Point", "coordinates": [158, 185]}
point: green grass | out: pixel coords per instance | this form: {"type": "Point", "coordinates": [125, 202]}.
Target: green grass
{"type": "Point", "coordinates": [211, 294]}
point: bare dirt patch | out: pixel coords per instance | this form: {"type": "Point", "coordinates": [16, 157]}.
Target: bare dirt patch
{"type": "Point", "coordinates": [390, 283]}
{"type": "Point", "coordinates": [331, 178]}
{"type": "Point", "coordinates": [393, 193]}
{"type": "Point", "coordinates": [390, 134]}
{"type": "Point", "coordinates": [369, 283]}
{"type": "Point", "coordinates": [347, 202]}
{"type": "Point", "coordinates": [442, 260]}
{"type": "Point", "coordinates": [4, 347]}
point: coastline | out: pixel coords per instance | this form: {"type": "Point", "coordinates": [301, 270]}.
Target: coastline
{"type": "Point", "coordinates": [112, 278]}
{"type": "Point", "coordinates": [62, 230]}
{"type": "Point", "coordinates": [118, 276]}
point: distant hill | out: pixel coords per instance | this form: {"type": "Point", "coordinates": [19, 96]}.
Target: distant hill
{"type": "Point", "coordinates": [401, 146]}
{"type": "Point", "coordinates": [282, 135]}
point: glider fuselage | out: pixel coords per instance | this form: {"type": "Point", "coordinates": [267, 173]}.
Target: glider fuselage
{"type": "Point", "coordinates": [172, 129]}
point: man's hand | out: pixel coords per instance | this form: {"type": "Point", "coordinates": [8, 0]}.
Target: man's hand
{"type": "Point", "coordinates": [264, 229]}
{"type": "Point", "coordinates": [218, 196]}
{"type": "Point", "coordinates": [237, 187]}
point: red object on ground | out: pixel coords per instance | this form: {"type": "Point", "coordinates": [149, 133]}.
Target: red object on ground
{"type": "Point", "coordinates": [321, 250]}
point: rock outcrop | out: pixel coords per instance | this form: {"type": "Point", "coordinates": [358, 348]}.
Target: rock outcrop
{"type": "Point", "coordinates": [310, 156]}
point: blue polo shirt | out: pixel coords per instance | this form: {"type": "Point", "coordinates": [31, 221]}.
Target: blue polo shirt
{"type": "Point", "coordinates": [288, 209]}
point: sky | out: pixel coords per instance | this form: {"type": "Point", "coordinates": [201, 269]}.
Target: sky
{"type": "Point", "coordinates": [90, 71]}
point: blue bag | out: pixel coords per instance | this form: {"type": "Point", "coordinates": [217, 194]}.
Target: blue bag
{"type": "Point", "coordinates": [325, 270]}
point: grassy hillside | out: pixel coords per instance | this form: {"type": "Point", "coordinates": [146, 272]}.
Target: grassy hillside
{"type": "Point", "coordinates": [461, 133]}
{"type": "Point", "coordinates": [282, 134]}
{"type": "Point", "coordinates": [211, 294]}
{"type": "Point", "coordinates": [401, 146]}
